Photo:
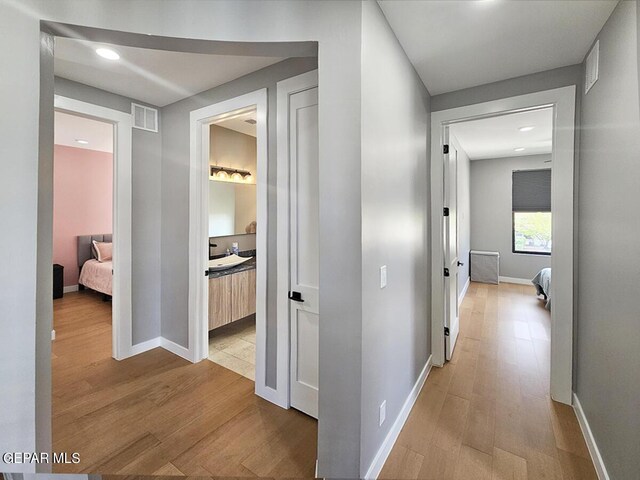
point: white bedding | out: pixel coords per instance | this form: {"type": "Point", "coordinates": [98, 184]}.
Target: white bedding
{"type": "Point", "coordinates": [97, 275]}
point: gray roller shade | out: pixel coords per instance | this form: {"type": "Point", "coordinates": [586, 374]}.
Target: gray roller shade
{"type": "Point", "coordinates": [532, 190]}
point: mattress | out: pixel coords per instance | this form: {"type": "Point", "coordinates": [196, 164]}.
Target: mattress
{"type": "Point", "coordinates": [97, 275]}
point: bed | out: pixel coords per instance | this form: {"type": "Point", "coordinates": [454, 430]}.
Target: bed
{"type": "Point", "coordinates": [95, 275]}
{"type": "Point", "coordinates": [542, 282]}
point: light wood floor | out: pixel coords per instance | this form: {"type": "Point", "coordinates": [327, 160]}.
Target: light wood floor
{"type": "Point", "coordinates": [487, 414]}
{"type": "Point", "coordinates": [157, 414]}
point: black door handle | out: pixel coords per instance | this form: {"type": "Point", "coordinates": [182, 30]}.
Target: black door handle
{"type": "Point", "coordinates": [460, 264]}
{"type": "Point", "coordinates": [296, 297]}
{"type": "Point", "coordinates": [206, 273]}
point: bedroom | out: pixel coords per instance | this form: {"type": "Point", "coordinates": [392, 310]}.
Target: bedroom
{"type": "Point", "coordinates": [82, 229]}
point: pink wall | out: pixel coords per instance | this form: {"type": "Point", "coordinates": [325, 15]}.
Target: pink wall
{"type": "Point", "coordinates": [82, 202]}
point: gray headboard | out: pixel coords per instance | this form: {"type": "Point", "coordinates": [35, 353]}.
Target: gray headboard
{"type": "Point", "coordinates": [84, 246]}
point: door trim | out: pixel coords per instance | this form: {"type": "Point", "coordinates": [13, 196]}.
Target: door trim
{"type": "Point", "coordinates": [122, 339]}
{"type": "Point", "coordinates": [200, 121]}
{"type": "Point", "coordinates": [562, 259]}
{"type": "Point", "coordinates": [285, 89]}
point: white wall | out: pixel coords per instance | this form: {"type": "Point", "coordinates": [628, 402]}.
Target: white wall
{"type": "Point", "coordinates": [395, 320]}
{"type": "Point", "coordinates": [491, 213]}
{"type": "Point", "coordinates": [464, 210]}
{"type": "Point", "coordinates": [608, 333]}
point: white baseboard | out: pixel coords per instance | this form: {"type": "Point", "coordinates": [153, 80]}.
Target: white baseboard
{"type": "Point", "coordinates": [392, 436]}
{"type": "Point", "coordinates": [591, 442]}
{"type": "Point", "coordinates": [70, 288]}
{"type": "Point", "coordinates": [139, 348]}
{"type": "Point", "coordinates": [176, 349]}
{"type": "Point", "coordinates": [464, 291]}
{"type": "Point", "coordinates": [519, 281]}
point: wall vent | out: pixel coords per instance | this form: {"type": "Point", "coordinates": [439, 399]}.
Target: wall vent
{"type": "Point", "coordinates": [144, 118]}
{"type": "Point", "coordinates": [591, 67]}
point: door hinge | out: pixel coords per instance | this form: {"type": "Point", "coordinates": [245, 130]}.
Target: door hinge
{"type": "Point", "coordinates": [446, 272]}
{"type": "Point", "coordinates": [445, 149]}
{"type": "Point", "coordinates": [446, 331]}
{"type": "Point", "coordinates": [206, 273]}
{"type": "Point", "coordinates": [445, 211]}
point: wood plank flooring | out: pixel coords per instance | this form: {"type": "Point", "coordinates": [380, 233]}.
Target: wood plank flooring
{"type": "Point", "coordinates": [157, 414]}
{"type": "Point", "coordinates": [487, 413]}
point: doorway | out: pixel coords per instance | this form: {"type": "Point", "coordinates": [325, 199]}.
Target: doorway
{"type": "Point", "coordinates": [445, 288]}
{"type": "Point", "coordinates": [102, 261]}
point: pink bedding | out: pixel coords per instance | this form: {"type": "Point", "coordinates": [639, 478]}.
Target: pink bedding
{"type": "Point", "coordinates": [97, 275]}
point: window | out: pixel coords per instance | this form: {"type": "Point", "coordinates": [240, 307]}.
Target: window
{"type": "Point", "coordinates": [531, 207]}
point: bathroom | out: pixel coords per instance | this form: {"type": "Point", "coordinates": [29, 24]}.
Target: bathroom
{"type": "Point", "coordinates": [232, 241]}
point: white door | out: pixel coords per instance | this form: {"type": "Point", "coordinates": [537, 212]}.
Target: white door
{"type": "Point", "coordinates": [452, 316]}
{"type": "Point", "coordinates": [304, 278]}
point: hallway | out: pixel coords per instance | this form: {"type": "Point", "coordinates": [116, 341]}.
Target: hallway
{"type": "Point", "coordinates": [158, 414]}
{"type": "Point", "coordinates": [487, 413]}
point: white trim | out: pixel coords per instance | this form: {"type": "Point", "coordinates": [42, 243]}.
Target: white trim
{"type": "Point", "coordinates": [70, 288]}
{"type": "Point", "coordinates": [563, 102]}
{"type": "Point", "coordinates": [139, 348]}
{"type": "Point", "coordinates": [200, 121]}
{"type": "Point", "coordinates": [175, 349]}
{"type": "Point", "coordinates": [122, 321]}
{"type": "Point", "coordinates": [385, 449]}
{"type": "Point", "coordinates": [53, 335]}
{"type": "Point", "coordinates": [518, 281]}
{"type": "Point", "coordinates": [285, 89]}
{"type": "Point", "coordinates": [601, 470]}
{"type": "Point", "coordinates": [464, 291]}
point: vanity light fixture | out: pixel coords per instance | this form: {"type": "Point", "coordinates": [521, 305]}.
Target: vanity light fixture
{"type": "Point", "coordinates": [229, 174]}
{"type": "Point", "coordinates": [528, 128]}
{"type": "Point", "coordinates": [519, 149]}
{"type": "Point", "coordinates": [82, 142]}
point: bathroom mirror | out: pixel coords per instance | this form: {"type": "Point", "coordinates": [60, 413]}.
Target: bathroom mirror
{"type": "Point", "coordinates": [232, 208]}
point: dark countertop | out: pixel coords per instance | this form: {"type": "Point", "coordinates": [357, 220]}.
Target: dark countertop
{"type": "Point", "coordinates": [248, 265]}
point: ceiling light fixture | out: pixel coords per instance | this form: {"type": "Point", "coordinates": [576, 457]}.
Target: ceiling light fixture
{"type": "Point", "coordinates": [82, 142]}
{"type": "Point", "coordinates": [108, 53]}
{"type": "Point", "coordinates": [229, 174]}
{"type": "Point", "coordinates": [526, 129]}
{"type": "Point", "coordinates": [519, 149]}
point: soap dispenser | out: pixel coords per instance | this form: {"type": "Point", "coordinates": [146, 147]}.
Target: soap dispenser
{"type": "Point", "coordinates": [234, 248]}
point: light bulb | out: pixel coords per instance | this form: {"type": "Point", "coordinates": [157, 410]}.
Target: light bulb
{"type": "Point", "coordinates": [222, 175]}
{"type": "Point", "coordinates": [236, 177]}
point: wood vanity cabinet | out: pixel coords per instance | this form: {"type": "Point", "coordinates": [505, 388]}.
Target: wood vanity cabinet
{"type": "Point", "coordinates": [231, 297]}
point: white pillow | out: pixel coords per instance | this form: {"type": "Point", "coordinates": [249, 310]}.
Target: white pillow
{"type": "Point", "coordinates": [103, 251]}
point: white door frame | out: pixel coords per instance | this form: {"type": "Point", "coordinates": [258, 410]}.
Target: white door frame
{"type": "Point", "coordinates": [562, 182]}
{"type": "Point", "coordinates": [121, 298]}
{"type": "Point", "coordinates": [200, 121]}
{"type": "Point", "coordinates": [285, 89]}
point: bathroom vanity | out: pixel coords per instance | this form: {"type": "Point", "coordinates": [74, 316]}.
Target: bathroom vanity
{"type": "Point", "coordinates": [232, 294]}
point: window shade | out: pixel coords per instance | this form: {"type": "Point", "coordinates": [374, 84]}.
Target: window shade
{"type": "Point", "coordinates": [532, 191]}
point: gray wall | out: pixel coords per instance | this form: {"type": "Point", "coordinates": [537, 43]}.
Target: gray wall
{"type": "Point", "coordinates": [175, 199]}
{"type": "Point", "coordinates": [395, 228]}
{"type": "Point", "coordinates": [336, 26]}
{"type": "Point", "coordinates": [464, 211]}
{"type": "Point", "coordinates": [145, 205]}
{"type": "Point", "coordinates": [491, 218]}
{"type": "Point", "coordinates": [608, 347]}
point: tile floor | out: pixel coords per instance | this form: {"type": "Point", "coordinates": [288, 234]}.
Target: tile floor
{"type": "Point", "coordinates": [234, 346]}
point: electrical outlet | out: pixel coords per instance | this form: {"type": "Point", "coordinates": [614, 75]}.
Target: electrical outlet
{"type": "Point", "coordinates": [383, 276]}
{"type": "Point", "coordinates": [383, 412]}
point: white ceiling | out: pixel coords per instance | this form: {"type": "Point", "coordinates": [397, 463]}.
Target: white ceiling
{"type": "Point", "coordinates": [238, 121]}
{"type": "Point", "coordinates": [497, 137]}
{"type": "Point", "coordinates": [158, 77]}
{"type": "Point", "coordinates": [459, 44]}
{"type": "Point", "coordinates": [69, 128]}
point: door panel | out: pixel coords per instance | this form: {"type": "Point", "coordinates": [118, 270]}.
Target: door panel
{"type": "Point", "coordinates": [452, 314]}
{"type": "Point", "coordinates": [304, 224]}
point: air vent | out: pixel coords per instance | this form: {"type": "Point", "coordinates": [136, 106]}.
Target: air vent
{"type": "Point", "coordinates": [144, 118]}
{"type": "Point", "coordinates": [591, 67]}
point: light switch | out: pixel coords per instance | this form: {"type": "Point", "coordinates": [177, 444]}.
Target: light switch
{"type": "Point", "coordinates": [383, 276]}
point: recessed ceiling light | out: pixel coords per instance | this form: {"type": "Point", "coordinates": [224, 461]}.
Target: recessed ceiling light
{"type": "Point", "coordinates": [82, 142]}
{"type": "Point", "coordinates": [526, 129]}
{"type": "Point", "coordinates": [107, 53]}
{"type": "Point", "coordinates": [519, 149]}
